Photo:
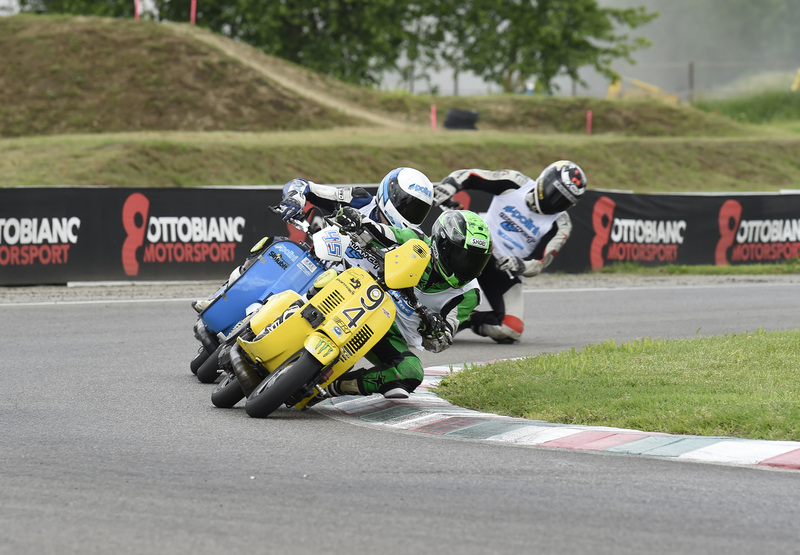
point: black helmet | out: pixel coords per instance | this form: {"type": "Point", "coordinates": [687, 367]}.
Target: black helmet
{"type": "Point", "coordinates": [559, 187]}
{"type": "Point", "coordinates": [461, 245]}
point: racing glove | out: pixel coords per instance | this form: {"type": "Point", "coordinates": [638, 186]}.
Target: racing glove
{"type": "Point", "coordinates": [511, 264]}
{"type": "Point", "coordinates": [442, 192]}
{"type": "Point", "coordinates": [348, 218]}
{"type": "Point", "coordinates": [532, 268]}
{"type": "Point", "coordinates": [292, 205]}
{"type": "Point", "coordinates": [436, 334]}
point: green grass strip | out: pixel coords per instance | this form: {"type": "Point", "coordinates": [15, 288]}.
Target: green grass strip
{"type": "Point", "coordinates": [743, 385]}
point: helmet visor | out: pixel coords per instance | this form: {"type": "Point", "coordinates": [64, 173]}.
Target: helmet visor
{"type": "Point", "coordinates": [554, 202]}
{"type": "Point", "coordinates": [410, 207]}
{"type": "Point", "coordinates": [460, 264]}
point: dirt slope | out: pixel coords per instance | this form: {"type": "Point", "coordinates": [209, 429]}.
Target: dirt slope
{"type": "Point", "coordinates": [67, 75]}
{"type": "Point", "coordinates": [302, 82]}
{"type": "Point", "coordinates": [63, 75]}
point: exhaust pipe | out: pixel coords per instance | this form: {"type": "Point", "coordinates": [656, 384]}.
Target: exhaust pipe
{"type": "Point", "coordinates": [248, 377]}
{"type": "Point", "coordinates": [205, 337]}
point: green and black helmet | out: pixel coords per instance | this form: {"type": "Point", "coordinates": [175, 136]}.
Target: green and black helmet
{"type": "Point", "coordinates": [461, 245]}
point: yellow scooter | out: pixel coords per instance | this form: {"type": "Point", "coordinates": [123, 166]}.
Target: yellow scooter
{"type": "Point", "coordinates": [292, 348]}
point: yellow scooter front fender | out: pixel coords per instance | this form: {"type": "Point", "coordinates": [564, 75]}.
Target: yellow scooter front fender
{"type": "Point", "coordinates": [322, 348]}
{"type": "Point", "coordinates": [404, 266]}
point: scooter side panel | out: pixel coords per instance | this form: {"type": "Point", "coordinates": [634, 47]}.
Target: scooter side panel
{"type": "Point", "coordinates": [283, 266]}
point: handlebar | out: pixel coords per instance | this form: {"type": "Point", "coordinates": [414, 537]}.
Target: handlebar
{"type": "Point", "coordinates": [299, 223]}
{"type": "Point", "coordinates": [427, 321]}
{"type": "Point", "coordinates": [303, 225]}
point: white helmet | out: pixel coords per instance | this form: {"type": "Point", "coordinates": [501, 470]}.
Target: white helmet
{"type": "Point", "coordinates": [405, 197]}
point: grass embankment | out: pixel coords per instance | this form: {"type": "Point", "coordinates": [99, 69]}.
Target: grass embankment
{"type": "Point", "coordinates": [154, 105]}
{"type": "Point", "coordinates": [763, 108]}
{"type": "Point", "coordinates": [743, 385]}
{"type": "Point", "coordinates": [115, 75]}
{"type": "Point", "coordinates": [364, 156]}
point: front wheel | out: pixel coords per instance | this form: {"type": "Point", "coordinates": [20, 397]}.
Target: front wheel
{"type": "Point", "coordinates": [227, 393]}
{"type": "Point", "coordinates": [198, 360]}
{"type": "Point", "coordinates": [280, 385]}
{"type": "Point", "coordinates": [209, 370]}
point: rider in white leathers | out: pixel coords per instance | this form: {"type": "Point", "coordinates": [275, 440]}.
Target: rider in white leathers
{"type": "Point", "coordinates": [529, 224]}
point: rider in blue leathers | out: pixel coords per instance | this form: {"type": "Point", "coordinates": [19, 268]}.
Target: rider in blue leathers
{"type": "Point", "coordinates": [403, 199]}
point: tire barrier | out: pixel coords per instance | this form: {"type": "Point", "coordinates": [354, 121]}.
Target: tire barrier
{"type": "Point", "coordinates": [460, 119]}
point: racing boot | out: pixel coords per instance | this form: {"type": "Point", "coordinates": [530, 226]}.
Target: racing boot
{"type": "Point", "coordinates": [344, 386]}
{"type": "Point", "coordinates": [504, 330]}
{"type": "Point", "coordinates": [398, 392]}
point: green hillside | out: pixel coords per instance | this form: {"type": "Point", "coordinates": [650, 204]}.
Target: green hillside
{"type": "Point", "coordinates": [87, 101]}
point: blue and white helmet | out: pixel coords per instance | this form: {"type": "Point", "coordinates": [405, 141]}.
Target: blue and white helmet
{"type": "Point", "coordinates": [405, 197]}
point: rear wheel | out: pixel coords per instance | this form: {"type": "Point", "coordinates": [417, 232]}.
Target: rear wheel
{"type": "Point", "coordinates": [280, 385]}
{"type": "Point", "coordinates": [209, 370]}
{"type": "Point", "coordinates": [227, 393]}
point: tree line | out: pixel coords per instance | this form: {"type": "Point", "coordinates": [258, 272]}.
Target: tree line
{"type": "Point", "coordinates": [507, 42]}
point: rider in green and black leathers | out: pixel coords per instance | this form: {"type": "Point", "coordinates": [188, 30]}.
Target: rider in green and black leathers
{"type": "Point", "coordinates": [461, 246]}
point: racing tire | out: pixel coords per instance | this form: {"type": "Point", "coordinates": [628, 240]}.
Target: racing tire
{"type": "Point", "coordinates": [209, 370]}
{"type": "Point", "coordinates": [198, 360]}
{"type": "Point", "coordinates": [227, 393]}
{"type": "Point", "coordinates": [280, 385]}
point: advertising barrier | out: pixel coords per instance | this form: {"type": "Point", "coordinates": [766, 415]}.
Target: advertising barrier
{"type": "Point", "coordinates": [682, 229]}
{"type": "Point", "coordinates": [58, 235]}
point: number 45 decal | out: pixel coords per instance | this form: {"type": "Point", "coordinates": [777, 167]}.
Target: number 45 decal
{"type": "Point", "coordinates": [372, 300]}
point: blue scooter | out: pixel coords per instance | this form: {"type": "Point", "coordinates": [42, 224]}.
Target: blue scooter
{"type": "Point", "coordinates": [276, 264]}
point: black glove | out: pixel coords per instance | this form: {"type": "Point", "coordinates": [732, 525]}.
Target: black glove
{"type": "Point", "coordinates": [348, 218]}
{"type": "Point", "coordinates": [436, 334]}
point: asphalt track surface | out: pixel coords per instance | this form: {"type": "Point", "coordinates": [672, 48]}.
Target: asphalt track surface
{"type": "Point", "coordinates": [110, 445]}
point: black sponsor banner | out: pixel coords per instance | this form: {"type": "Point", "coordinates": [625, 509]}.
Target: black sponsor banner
{"type": "Point", "coordinates": [656, 230]}
{"type": "Point", "coordinates": [58, 235]}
